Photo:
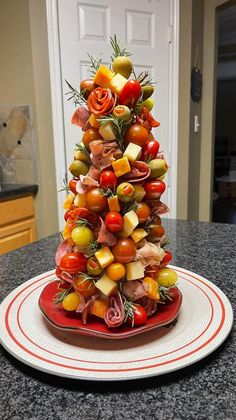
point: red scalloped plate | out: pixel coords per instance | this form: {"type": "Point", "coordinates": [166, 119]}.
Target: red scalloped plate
{"type": "Point", "coordinates": [71, 321]}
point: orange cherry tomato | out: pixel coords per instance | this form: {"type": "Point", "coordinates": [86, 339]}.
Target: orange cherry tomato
{"type": "Point", "coordinates": [136, 134]}
{"type": "Point", "coordinates": [96, 201]}
{"type": "Point", "coordinates": [90, 135]}
{"type": "Point", "coordinates": [143, 212]}
{"type": "Point", "coordinates": [124, 251]}
{"type": "Point", "coordinates": [155, 232]}
{"type": "Point", "coordinates": [116, 271]}
{"type": "Point", "coordinates": [85, 287]}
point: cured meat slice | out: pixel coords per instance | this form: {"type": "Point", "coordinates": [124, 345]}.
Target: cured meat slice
{"type": "Point", "coordinates": [139, 172]}
{"type": "Point", "coordinates": [63, 249]}
{"type": "Point", "coordinates": [134, 289]}
{"type": "Point", "coordinates": [116, 312]}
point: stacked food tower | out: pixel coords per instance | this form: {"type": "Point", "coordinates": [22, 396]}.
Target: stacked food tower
{"type": "Point", "coordinates": [112, 262]}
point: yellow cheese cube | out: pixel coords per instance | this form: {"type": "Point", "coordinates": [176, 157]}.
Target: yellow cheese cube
{"type": "Point", "coordinates": [138, 234]}
{"type": "Point", "coordinates": [106, 285]}
{"type": "Point", "coordinates": [103, 77]}
{"type": "Point", "coordinates": [104, 256]}
{"type": "Point", "coordinates": [152, 288]}
{"type": "Point", "coordinates": [107, 131]}
{"type": "Point", "coordinates": [132, 152]}
{"type": "Point", "coordinates": [130, 220]}
{"type": "Point", "coordinates": [113, 203]}
{"type": "Point", "coordinates": [93, 121]}
{"type": "Point", "coordinates": [117, 83]}
{"type": "Point", "coordinates": [134, 270]}
{"type": "Point", "coordinates": [121, 166]}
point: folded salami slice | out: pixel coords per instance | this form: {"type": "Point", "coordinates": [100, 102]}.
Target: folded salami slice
{"type": "Point", "coordinates": [139, 172]}
{"type": "Point", "coordinates": [116, 313]}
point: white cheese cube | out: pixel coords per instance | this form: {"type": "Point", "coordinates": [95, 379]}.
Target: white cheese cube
{"type": "Point", "coordinates": [106, 285]}
{"type": "Point", "coordinates": [130, 220]}
{"type": "Point", "coordinates": [134, 270]}
{"type": "Point", "coordinates": [132, 152]}
{"type": "Point", "coordinates": [107, 131]}
{"type": "Point", "coordinates": [117, 83]}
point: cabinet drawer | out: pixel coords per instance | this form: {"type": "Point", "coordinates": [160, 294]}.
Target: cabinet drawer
{"type": "Point", "coordinates": [16, 235]}
{"type": "Point", "coordinates": [14, 210]}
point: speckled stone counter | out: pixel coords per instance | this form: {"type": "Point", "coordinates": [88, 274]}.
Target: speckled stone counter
{"type": "Point", "coordinates": [10, 191]}
{"type": "Point", "coordinates": [205, 390]}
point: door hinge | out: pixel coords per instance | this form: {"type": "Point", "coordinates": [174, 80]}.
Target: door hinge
{"type": "Point", "coordinates": [170, 34]}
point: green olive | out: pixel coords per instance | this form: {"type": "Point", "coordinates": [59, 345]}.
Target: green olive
{"type": "Point", "coordinates": [122, 112]}
{"type": "Point", "coordinates": [122, 65]}
{"type": "Point", "coordinates": [147, 91]}
{"type": "Point", "coordinates": [148, 103]}
{"type": "Point", "coordinates": [158, 167]}
{"type": "Point", "coordinates": [125, 192]}
{"type": "Point", "coordinates": [80, 155]}
{"type": "Point", "coordinates": [93, 266]}
{"type": "Point", "coordinates": [78, 167]}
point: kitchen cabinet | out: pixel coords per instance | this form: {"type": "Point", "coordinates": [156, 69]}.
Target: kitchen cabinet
{"type": "Point", "coordinates": [17, 223]}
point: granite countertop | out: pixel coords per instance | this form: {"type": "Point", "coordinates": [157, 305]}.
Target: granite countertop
{"type": "Point", "coordinates": [10, 191]}
{"type": "Point", "coordinates": [205, 390]}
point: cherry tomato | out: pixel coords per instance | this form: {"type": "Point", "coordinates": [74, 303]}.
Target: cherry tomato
{"type": "Point", "coordinates": [150, 150]}
{"type": "Point", "coordinates": [108, 180]}
{"type": "Point", "coordinates": [136, 134]}
{"type": "Point", "coordinates": [130, 93]}
{"type": "Point", "coordinates": [72, 185]}
{"type": "Point", "coordinates": [154, 189]}
{"type": "Point", "coordinates": [71, 302]}
{"type": "Point", "coordinates": [90, 135]}
{"type": "Point", "coordinates": [155, 232]}
{"type": "Point", "coordinates": [139, 316]}
{"type": "Point", "coordinates": [67, 215]}
{"type": "Point", "coordinates": [143, 212]}
{"type": "Point", "coordinates": [167, 277]}
{"type": "Point", "coordinates": [85, 287]}
{"type": "Point", "coordinates": [82, 236]}
{"type": "Point", "coordinates": [73, 262]}
{"type": "Point", "coordinates": [166, 260]}
{"type": "Point", "coordinates": [86, 87]}
{"type": "Point", "coordinates": [114, 221]}
{"type": "Point", "coordinates": [116, 271]}
{"type": "Point", "coordinates": [124, 251]}
{"type": "Point", "coordinates": [96, 201]}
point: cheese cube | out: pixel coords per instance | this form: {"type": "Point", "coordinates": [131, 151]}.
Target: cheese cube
{"type": "Point", "coordinates": [121, 166]}
{"type": "Point", "coordinates": [104, 256]}
{"type": "Point", "coordinates": [93, 121]}
{"type": "Point", "coordinates": [152, 288]}
{"type": "Point", "coordinates": [106, 285]}
{"type": "Point", "coordinates": [130, 220]}
{"type": "Point", "coordinates": [103, 77]}
{"type": "Point", "coordinates": [117, 83]}
{"type": "Point", "coordinates": [113, 203]}
{"type": "Point", "coordinates": [138, 234]}
{"type": "Point", "coordinates": [132, 152]}
{"type": "Point", "coordinates": [107, 131]}
{"type": "Point", "coordinates": [134, 270]}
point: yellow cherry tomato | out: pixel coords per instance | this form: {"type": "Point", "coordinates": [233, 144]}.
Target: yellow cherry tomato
{"type": "Point", "coordinates": [82, 235]}
{"type": "Point", "coordinates": [167, 277]}
{"type": "Point", "coordinates": [116, 271]}
{"type": "Point", "coordinates": [71, 302]}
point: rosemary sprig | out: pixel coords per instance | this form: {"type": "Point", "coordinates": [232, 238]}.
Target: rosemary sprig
{"type": "Point", "coordinates": [90, 249]}
{"type": "Point", "coordinates": [83, 222]}
{"type": "Point", "coordinates": [87, 277]}
{"type": "Point", "coordinates": [119, 125]}
{"type": "Point", "coordinates": [58, 298]}
{"type": "Point", "coordinates": [65, 186]}
{"type": "Point", "coordinates": [80, 148]}
{"type": "Point", "coordinates": [164, 293]}
{"type": "Point", "coordinates": [78, 97]}
{"type": "Point", "coordinates": [117, 50]}
{"type": "Point", "coordinates": [95, 63]}
{"type": "Point", "coordinates": [129, 307]}
{"type": "Point", "coordinates": [133, 205]}
{"type": "Point", "coordinates": [144, 78]}
{"type": "Point", "coordinates": [106, 192]}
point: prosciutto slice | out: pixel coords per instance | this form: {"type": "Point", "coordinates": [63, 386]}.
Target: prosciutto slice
{"type": "Point", "coordinates": [63, 249]}
{"type": "Point", "coordinates": [89, 180]}
{"type": "Point", "coordinates": [157, 207]}
{"type": "Point", "coordinates": [149, 253]}
{"type": "Point", "coordinates": [104, 236]}
{"type": "Point", "coordinates": [139, 172]}
{"type": "Point", "coordinates": [103, 153]}
{"type": "Point", "coordinates": [85, 307]}
{"type": "Point", "coordinates": [149, 305]}
{"type": "Point", "coordinates": [134, 289]}
{"type": "Point", "coordinates": [80, 117]}
{"type": "Point", "coordinates": [116, 313]}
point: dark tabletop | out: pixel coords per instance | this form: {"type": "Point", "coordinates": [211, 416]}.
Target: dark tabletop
{"type": "Point", "coordinates": [10, 191]}
{"type": "Point", "coordinates": [205, 390]}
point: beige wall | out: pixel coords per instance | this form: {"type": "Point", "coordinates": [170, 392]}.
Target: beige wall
{"type": "Point", "coordinates": [24, 79]}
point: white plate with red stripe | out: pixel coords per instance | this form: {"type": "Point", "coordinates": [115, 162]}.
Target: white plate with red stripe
{"type": "Point", "coordinates": [205, 320]}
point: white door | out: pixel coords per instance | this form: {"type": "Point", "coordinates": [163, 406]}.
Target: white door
{"type": "Point", "coordinates": [148, 29]}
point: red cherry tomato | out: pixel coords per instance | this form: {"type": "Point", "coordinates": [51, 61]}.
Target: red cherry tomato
{"type": "Point", "coordinates": [166, 260]}
{"type": "Point", "coordinates": [67, 215]}
{"type": "Point", "coordinates": [86, 87]}
{"type": "Point", "coordinates": [96, 201]}
{"type": "Point", "coordinates": [108, 180]}
{"type": "Point", "coordinates": [130, 93]}
{"type": "Point", "coordinates": [143, 212]}
{"type": "Point", "coordinates": [139, 316]}
{"type": "Point", "coordinates": [154, 189]}
{"type": "Point", "coordinates": [150, 150]}
{"type": "Point", "coordinates": [73, 262]}
{"type": "Point", "coordinates": [114, 221]}
{"type": "Point", "coordinates": [124, 251]}
{"type": "Point", "coordinates": [136, 134]}
{"type": "Point", "coordinates": [72, 185]}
